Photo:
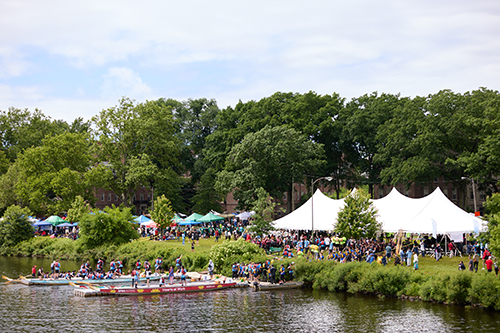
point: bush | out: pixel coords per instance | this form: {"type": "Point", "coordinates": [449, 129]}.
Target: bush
{"type": "Point", "coordinates": [385, 280]}
{"type": "Point", "coordinates": [458, 289]}
{"type": "Point", "coordinates": [435, 288]}
{"type": "Point", "coordinates": [15, 227]}
{"type": "Point", "coordinates": [113, 226]}
{"type": "Point", "coordinates": [226, 253]}
{"type": "Point", "coordinates": [485, 289]}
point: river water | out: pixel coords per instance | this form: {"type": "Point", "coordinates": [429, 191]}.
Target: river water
{"type": "Point", "coordinates": [56, 309]}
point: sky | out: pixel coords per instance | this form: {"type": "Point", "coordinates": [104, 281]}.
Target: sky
{"type": "Point", "coordinates": [75, 58]}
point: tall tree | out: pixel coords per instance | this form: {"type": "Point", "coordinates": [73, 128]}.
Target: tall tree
{"type": "Point", "coordinates": [360, 121]}
{"type": "Point", "coordinates": [138, 143]}
{"type": "Point", "coordinates": [22, 129]}
{"type": "Point", "coordinates": [358, 218]}
{"type": "Point", "coordinates": [206, 197]}
{"type": "Point", "coordinates": [51, 176]}
{"type": "Point", "coordinates": [271, 158]}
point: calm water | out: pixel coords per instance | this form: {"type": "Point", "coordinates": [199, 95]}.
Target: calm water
{"type": "Point", "coordinates": [55, 309]}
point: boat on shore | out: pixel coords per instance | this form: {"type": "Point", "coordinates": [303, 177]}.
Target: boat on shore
{"type": "Point", "coordinates": [63, 281]}
{"type": "Point", "coordinates": [89, 289]}
{"type": "Point", "coordinates": [266, 286]}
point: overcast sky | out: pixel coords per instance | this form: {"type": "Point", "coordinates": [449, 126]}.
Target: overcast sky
{"type": "Point", "coordinates": [75, 58]}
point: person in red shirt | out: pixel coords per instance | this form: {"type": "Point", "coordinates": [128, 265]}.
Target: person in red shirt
{"type": "Point", "coordinates": [489, 264]}
{"type": "Point", "coordinates": [33, 271]}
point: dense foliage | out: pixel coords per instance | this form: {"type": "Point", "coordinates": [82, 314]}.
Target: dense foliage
{"type": "Point", "coordinates": [15, 226]}
{"type": "Point", "coordinates": [282, 139]}
{"type": "Point", "coordinates": [358, 218]}
{"type": "Point", "coordinates": [111, 226]}
{"type": "Point", "coordinates": [162, 212]}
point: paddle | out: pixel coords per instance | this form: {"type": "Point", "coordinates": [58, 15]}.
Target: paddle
{"type": "Point", "coordinates": [74, 285]}
{"type": "Point", "coordinates": [9, 280]}
{"type": "Point", "coordinates": [89, 284]}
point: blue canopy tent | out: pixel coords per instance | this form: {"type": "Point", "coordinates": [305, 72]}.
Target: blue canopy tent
{"type": "Point", "coordinates": [191, 222]}
{"type": "Point", "coordinates": [142, 219]}
{"type": "Point", "coordinates": [68, 224]}
{"type": "Point", "coordinates": [41, 223]}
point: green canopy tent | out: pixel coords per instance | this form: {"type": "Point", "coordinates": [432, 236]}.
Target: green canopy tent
{"type": "Point", "coordinates": [193, 217]}
{"type": "Point", "coordinates": [210, 218]}
{"type": "Point", "coordinates": [55, 220]}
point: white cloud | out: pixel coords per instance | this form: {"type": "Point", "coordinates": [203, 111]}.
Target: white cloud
{"type": "Point", "coordinates": [124, 82]}
{"type": "Point", "coordinates": [249, 50]}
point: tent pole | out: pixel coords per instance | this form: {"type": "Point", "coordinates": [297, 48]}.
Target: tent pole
{"type": "Point", "coordinates": [445, 245]}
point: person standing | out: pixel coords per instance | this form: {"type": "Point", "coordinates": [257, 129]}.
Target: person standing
{"type": "Point", "coordinates": [148, 275]}
{"type": "Point", "coordinates": [489, 264]}
{"type": "Point", "coordinates": [158, 265]}
{"type": "Point", "coordinates": [178, 263]}
{"type": "Point", "coordinates": [471, 263]}
{"type": "Point", "coordinates": [476, 262]}
{"type": "Point", "coordinates": [133, 277]}
{"type": "Point", "coordinates": [183, 276]}
{"type": "Point", "coordinates": [408, 257]}
{"type": "Point", "coordinates": [388, 251]}
{"type": "Point", "coordinates": [33, 271]}
{"type": "Point", "coordinates": [415, 261]}
{"type": "Point", "coordinates": [211, 269]}
{"type": "Point", "coordinates": [171, 275]}
{"type": "Point", "coordinates": [272, 274]}
{"type": "Point", "coordinates": [57, 268]}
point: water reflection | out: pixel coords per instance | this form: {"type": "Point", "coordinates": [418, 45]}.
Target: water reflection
{"type": "Point", "coordinates": [51, 309]}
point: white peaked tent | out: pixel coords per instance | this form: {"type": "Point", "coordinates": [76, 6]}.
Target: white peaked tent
{"type": "Point", "coordinates": [325, 214]}
{"type": "Point", "coordinates": [434, 213]}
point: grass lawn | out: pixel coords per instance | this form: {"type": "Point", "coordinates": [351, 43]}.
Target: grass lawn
{"type": "Point", "coordinates": [204, 246]}
{"type": "Point", "coordinates": [427, 265]}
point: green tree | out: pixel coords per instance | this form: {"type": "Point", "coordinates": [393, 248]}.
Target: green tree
{"type": "Point", "coordinates": [51, 176]}
{"type": "Point", "coordinates": [22, 129]}
{"type": "Point", "coordinates": [78, 209]}
{"type": "Point", "coordinates": [264, 212]}
{"type": "Point", "coordinates": [138, 143]}
{"type": "Point", "coordinates": [206, 197]}
{"type": "Point", "coordinates": [15, 227]}
{"type": "Point", "coordinates": [111, 226]}
{"type": "Point", "coordinates": [273, 159]}
{"type": "Point", "coordinates": [162, 211]}
{"type": "Point", "coordinates": [358, 218]}
{"type": "Point", "coordinates": [360, 122]}
{"type": "Point", "coordinates": [8, 183]}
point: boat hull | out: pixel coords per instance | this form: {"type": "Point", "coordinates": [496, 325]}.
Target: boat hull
{"type": "Point", "coordinates": [156, 290]}
{"type": "Point", "coordinates": [61, 282]}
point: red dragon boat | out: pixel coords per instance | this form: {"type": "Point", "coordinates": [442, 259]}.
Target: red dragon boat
{"type": "Point", "coordinates": [192, 287]}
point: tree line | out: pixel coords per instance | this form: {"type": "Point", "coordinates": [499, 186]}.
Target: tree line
{"type": "Point", "coordinates": [195, 153]}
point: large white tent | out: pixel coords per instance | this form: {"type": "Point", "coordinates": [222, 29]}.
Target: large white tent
{"type": "Point", "coordinates": [325, 214]}
{"type": "Point", "coordinates": [434, 213]}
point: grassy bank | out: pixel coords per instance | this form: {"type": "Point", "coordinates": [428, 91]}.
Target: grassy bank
{"type": "Point", "coordinates": [434, 281]}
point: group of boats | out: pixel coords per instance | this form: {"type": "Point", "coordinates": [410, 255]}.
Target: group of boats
{"type": "Point", "coordinates": [123, 286]}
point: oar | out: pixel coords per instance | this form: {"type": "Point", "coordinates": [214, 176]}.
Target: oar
{"type": "Point", "coordinates": [74, 285]}
{"type": "Point", "coordinates": [89, 284]}
{"type": "Point", "coordinates": [9, 280]}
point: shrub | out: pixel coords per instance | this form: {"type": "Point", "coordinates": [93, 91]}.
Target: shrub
{"type": "Point", "coordinates": [458, 289]}
{"type": "Point", "coordinates": [226, 253]}
{"type": "Point", "coordinates": [14, 226]}
{"type": "Point", "coordinates": [485, 289]}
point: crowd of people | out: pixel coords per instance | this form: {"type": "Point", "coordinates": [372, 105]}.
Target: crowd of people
{"type": "Point", "coordinates": [266, 271]}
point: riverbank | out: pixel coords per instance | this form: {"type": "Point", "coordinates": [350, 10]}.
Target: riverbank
{"type": "Point", "coordinates": [434, 282]}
